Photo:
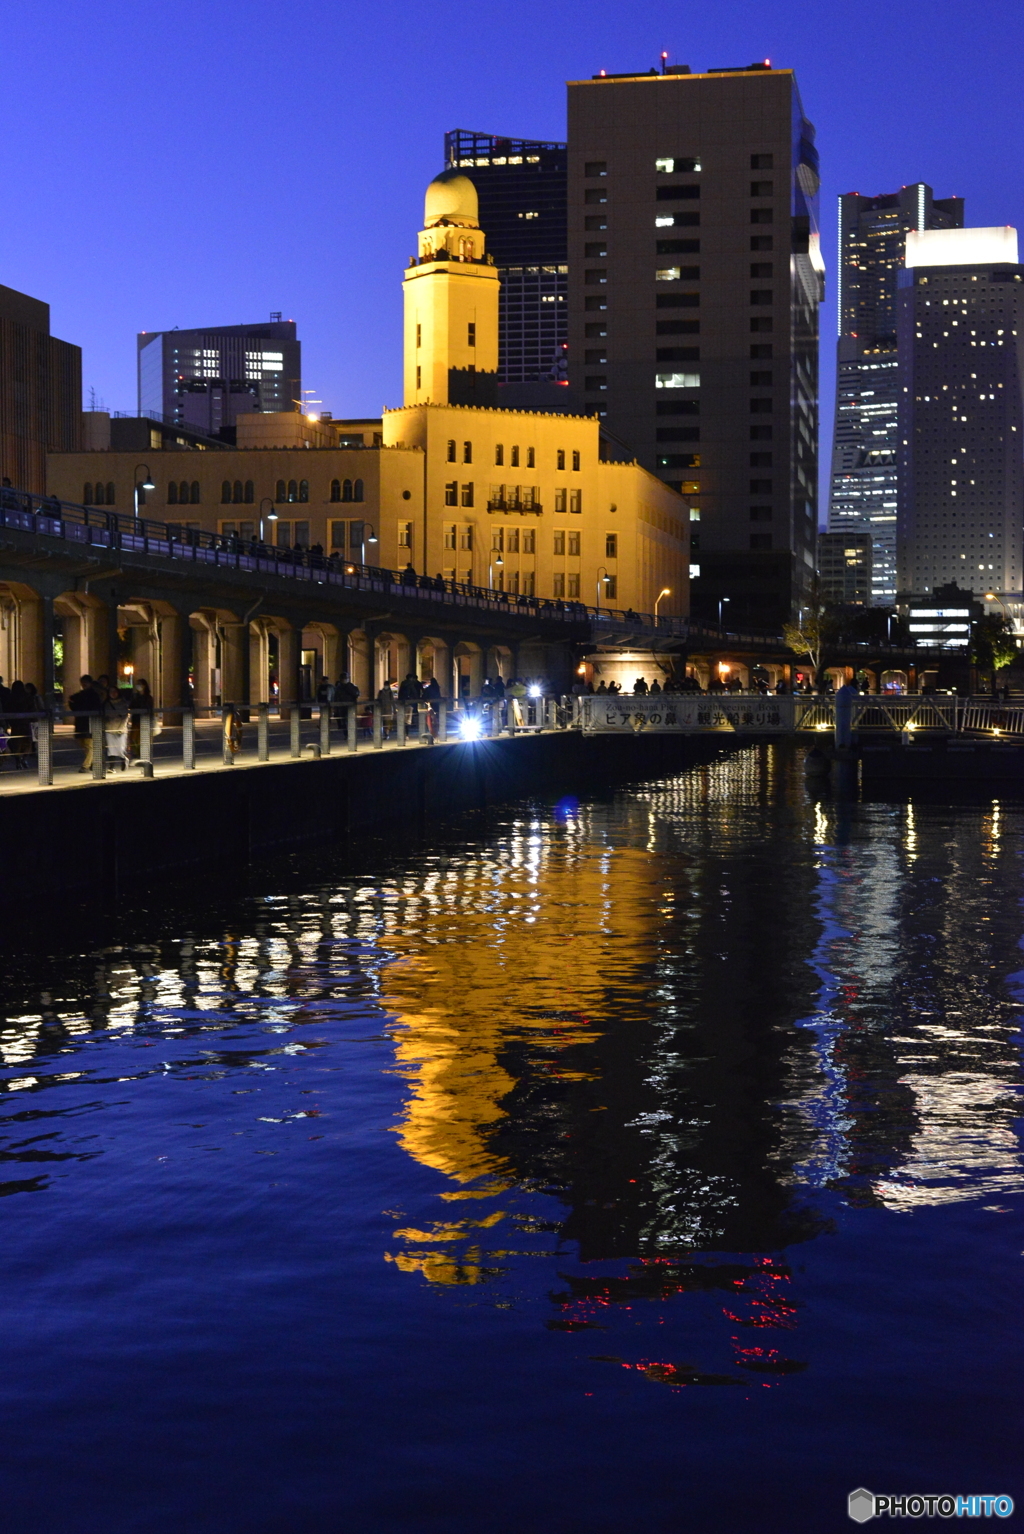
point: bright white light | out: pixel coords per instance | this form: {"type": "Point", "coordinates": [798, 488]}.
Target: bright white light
{"type": "Point", "coordinates": [470, 728]}
{"type": "Point", "coordinates": [534, 691]}
{"type": "Point", "coordinates": [961, 247]}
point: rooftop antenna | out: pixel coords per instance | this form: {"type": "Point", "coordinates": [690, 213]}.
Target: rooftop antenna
{"type": "Point", "coordinates": [664, 62]}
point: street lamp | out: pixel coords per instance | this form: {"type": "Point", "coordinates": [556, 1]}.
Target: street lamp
{"type": "Point", "coordinates": [601, 577]}
{"type": "Point", "coordinates": [271, 514]}
{"type": "Point", "coordinates": [666, 591]}
{"type": "Point", "coordinates": [990, 596]}
{"type": "Point", "coordinates": [721, 600]}
{"type": "Point", "coordinates": [368, 537]}
{"type": "Point", "coordinates": [496, 564]}
{"type": "Point", "coordinates": [145, 483]}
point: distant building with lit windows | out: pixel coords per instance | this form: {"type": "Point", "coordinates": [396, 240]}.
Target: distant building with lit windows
{"type": "Point", "coordinates": [205, 379]}
{"type": "Point", "coordinates": [844, 568]}
{"type": "Point", "coordinates": [872, 236]}
{"type": "Point", "coordinates": [521, 186]}
{"type": "Point", "coordinates": [961, 418]}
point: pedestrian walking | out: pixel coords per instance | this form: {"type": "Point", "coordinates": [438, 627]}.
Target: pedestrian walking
{"type": "Point", "coordinates": [82, 704]}
{"type": "Point", "coordinates": [140, 703]}
{"type": "Point", "coordinates": [116, 719]}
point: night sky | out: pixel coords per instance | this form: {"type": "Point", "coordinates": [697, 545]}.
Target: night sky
{"type": "Point", "coordinates": [205, 164]}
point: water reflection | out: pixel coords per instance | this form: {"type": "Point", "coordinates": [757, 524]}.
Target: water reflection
{"type": "Point", "coordinates": [654, 1037]}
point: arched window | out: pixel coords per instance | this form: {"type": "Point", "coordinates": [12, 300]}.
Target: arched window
{"type": "Point", "coordinates": [303, 489]}
{"type": "Point", "coordinates": [225, 493]}
{"type": "Point", "coordinates": [293, 490]}
{"type": "Point", "coordinates": [250, 492]}
{"type": "Point", "coordinates": [172, 493]}
{"type": "Point", "coordinates": [357, 490]}
{"type": "Point", "coordinates": [335, 489]}
{"type": "Point", "coordinates": [237, 497]}
{"type": "Point", "coordinates": [281, 493]}
{"type": "Point", "coordinates": [499, 453]}
{"type": "Point", "coordinates": [87, 494]}
{"type": "Point", "coordinates": [110, 493]}
{"type": "Point", "coordinates": [195, 493]}
{"type": "Point", "coordinates": [346, 490]}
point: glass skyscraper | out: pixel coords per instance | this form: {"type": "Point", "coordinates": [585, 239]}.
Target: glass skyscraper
{"type": "Point", "coordinates": [872, 237]}
{"type": "Point", "coordinates": [204, 379]}
{"type": "Point", "coordinates": [521, 184]}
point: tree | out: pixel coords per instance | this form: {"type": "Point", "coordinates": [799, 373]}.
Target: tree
{"type": "Point", "coordinates": [993, 644]}
{"type": "Point", "coordinates": [815, 630]}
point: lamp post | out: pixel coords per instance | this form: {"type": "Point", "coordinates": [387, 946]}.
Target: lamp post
{"type": "Point", "coordinates": [666, 591]}
{"type": "Point", "coordinates": [145, 483]}
{"type": "Point", "coordinates": [368, 537]}
{"type": "Point", "coordinates": [271, 514]}
{"type": "Point", "coordinates": [602, 574]}
{"type": "Point", "coordinates": [495, 564]}
{"type": "Point", "coordinates": [721, 602]}
{"type": "Point", "coordinates": [990, 596]}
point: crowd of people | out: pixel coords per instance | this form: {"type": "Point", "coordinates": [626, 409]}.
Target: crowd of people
{"type": "Point", "coordinates": [122, 712]}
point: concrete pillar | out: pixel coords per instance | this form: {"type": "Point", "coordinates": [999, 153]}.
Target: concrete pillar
{"type": "Point", "coordinates": [360, 651]}
{"type": "Point", "coordinates": [334, 646]}
{"type": "Point", "coordinates": [289, 642]}
{"type": "Point", "coordinates": [175, 660]}
{"type": "Point", "coordinates": [233, 647]}
{"type": "Point", "coordinates": [35, 642]}
{"type": "Point", "coordinates": [259, 665]}
{"type": "Point", "coordinates": [206, 662]}
{"type": "Point", "coordinates": [476, 672]}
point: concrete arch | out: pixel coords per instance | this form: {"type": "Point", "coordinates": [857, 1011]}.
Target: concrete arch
{"type": "Point", "coordinates": [392, 658]}
{"type": "Point", "coordinates": [434, 659]}
{"type": "Point", "coordinates": [467, 669]}
{"type": "Point", "coordinates": [500, 661]}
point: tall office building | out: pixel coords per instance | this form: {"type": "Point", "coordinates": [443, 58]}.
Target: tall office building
{"type": "Point", "coordinates": [872, 236]}
{"type": "Point", "coordinates": [521, 185]}
{"type": "Point", "coordinates": [40, 391]}
{"type": "Point", "coordinates": [204, 379]}
{"type": "Point", "coordinates": [695, 280]}
{"type": "Point", "coordinates": [960, 324]}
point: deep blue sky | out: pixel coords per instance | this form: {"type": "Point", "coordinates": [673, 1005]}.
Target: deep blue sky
{"type": "Point", "coordinates": [195, 164]}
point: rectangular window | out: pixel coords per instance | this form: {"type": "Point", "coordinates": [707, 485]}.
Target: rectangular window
{"type": "Point", "coordinates": [596, 168]}
{"type": "Point", "coordinates": [301, 533]}
{"type": "Point", "coordinates": [596, 331]}
{"type": "Point", "coordinates": [467, 452]}
{"type": "Point", "coordinates": [596, 381]}
{"type": "Point", "coordinates": [761, 322]}
{"type": "Point", "coordinates": [284, 534]}
{"type": "Point", "coordinates": [515, 458]}
{"type": "Point", "coordinates": [677, 354]}
{"type": "Point", "coordinates": [679, 461]}
{"type": "Point", "coordinates": [512, 540]}
{"type": "Point", "coordinates": [467, 495]}
{"type": "Point", "coordinates": [667, 274]}
{"type": "Point", "coordinates": [760, 406]}
{"type": "Point", "coordinates": [678, 193]}
{"type": "Point", "coordinates": [611, 546]}
{"type": "Point", "coordinates": [229, 529]}
{"type": "Point", "coordinates": [466, 538]}
{"type": "Point", "coordinates": [560, 500]}
{"type": "Point", "coordinates": [471, 333]}
{"type": "Point", "coordinates": [575, 503]}
{"type": "Point", "coordinates": [529, 581]}
{"type": "Point", "coordinates": [760, 487]}
{"type": "Point", "coordinates": [450, 535]}
{"type": "Point", "coordinates": [761, 353]}
{"type": "Point", "coordinates": [573, 588]}
{"type": "Point", "coordinates": [597, 302]}
{"type": "Point", "coordinates": [574, 544]}
{"type": "Point", "coordinates": [595, 194]}
{"type": "Point", "coordinates": [678, 407]}
{"type": "Point", "coordinates": [419, 376]}
{"type": "Point", "coordinates": [761, 242]}
{"type": "Point", "coordinates": [760, 513]}
{"type": "Point", "coordinates": [762, 162]}
{"type": "Point", "coordinates": [560, 458]}
{"type": "Point", "coordinates": [760, 434]}
{"type": "Point", "coordinates": [762, 269]}
{"type": "Point", "coordinates": [760, 460]}
{"type": "Point", "coordinates": [595, 249]}
{"type": "Point", "coordinates": [451, 451]}
{"type": "Point", "coordinates": [451, 493]}
{"type": "Point", "coordinates": [762, 216]}
{"type": "Point", "coordinates": [595, 354]}
{"type": "Point", "coordinates": [677, 380]}
{"type": "Point", "coordinates": [558, 585]}
{"type": "Point", "coordinates": [466, 576]}
{"type": "Point", "coordinates": [676, 248]}
{"type": "Point", "coordinates": [761, 296]}
{"type": "Point", "coordinates": [576, 460]}
{"type": "Point", "coordinates": [677, 328]}
{"type": "Point", "coordinates": [531, 458]}
{"type": "Point", "coordinates": [405, 535]}
{"type": "Point", "coordinates": [499, 454]}
{"type": "Point", "coordinates": [529, 542]}
{"type": "Point", "coordinates": [596, 221]}
{"type": "Point", "coordinates": [669, 165]}
{"type": "Point", "coordinates": [596, 275]}
{"type": "Point", "coordinates": [760, 540]}
{"type": "Point", "coordinates": [611, 588]}
{"type": "Point", "coordinates": [339, 536]}
{"type": "Point", "coordinates": [497, 540]}
{"type": "Point", "coordinates": [419, 335]}
{"type": "Point", "coordinates": [559, 543]}
{"type": "Point", "coordinates": [762, 189]}
{"type": "Point", "coordinates": [677, 434]}
{"type": "Point", "coordinates": [761, 379]}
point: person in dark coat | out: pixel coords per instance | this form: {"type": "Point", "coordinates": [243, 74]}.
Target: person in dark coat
{"type": "Point", "coordinates": [83, 703]}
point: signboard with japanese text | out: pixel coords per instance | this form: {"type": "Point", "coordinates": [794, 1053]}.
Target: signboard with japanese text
{"type": "Point", "coordinates": [670, 713]}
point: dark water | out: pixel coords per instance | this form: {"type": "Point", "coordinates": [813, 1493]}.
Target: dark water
{"type": "Point", "coordinates": [649, 1164]}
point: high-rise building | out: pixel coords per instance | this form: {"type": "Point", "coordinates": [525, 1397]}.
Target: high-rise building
{"type": "Point", "coordinates": [695, 280]}
{"type": "Point", "coordinates": [844, 568]}
{"type": "Point", "coordinates": [960, 325]}
{"type": "Point", "coordinates": [872, 236]}
{"type": "Point", "coordinates": [40, 391]}
{"type": "Point", "coordinates": [204, 379]}
{"type": "Point", "coordinates": [521, 185]}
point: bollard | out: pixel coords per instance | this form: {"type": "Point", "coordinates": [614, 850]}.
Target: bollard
{"type": "Point", "coordinates": [146, 737]}
{"type": "Point", "coordinates": [263, 732]}
{"type": "Point", "coordinates": [442, 719]}
{"type": "Point", "coordinates": [99, 747]}
{"type": "Point", "coordinates": [44, 749]}
{"type": "Point", "coordinates": [378, 726]}
{"type": "Point", "coordinates": [511, 716]}
{"type": "Point", "coordinates": [295, 724]}
{"type": "Point", "coordinates": [325, 729]}
{"type": "Point", "coordinates": [188, 740]}
{"type": "Point", "coordinates": [400, 726]}
{"type": "Point", "coordinates": [227, 730]}
{"type": "Point", "coordinates": [352, 727]}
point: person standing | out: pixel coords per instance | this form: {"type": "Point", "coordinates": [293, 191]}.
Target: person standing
{"type": "Point", "coordinates": [115, 727]}
{"type": "Point", "coordinates": [386, 700]}
{"type": "Point", "coordinates": [82, 704]}
{"type": "Point", "coordinates": [140, 702]}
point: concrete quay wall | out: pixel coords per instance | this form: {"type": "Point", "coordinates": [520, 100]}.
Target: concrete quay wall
{"type": "Point", "coordinates": [99, 839]}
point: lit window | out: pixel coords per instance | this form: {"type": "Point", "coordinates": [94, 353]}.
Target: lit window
{"type": "Point", "coordinates": [677, 380]}
{"type": "Point", "coordinates": [668, 274]}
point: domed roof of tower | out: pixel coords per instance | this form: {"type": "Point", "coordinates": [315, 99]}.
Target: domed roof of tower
{"type": "Point", "coordinates": [451, 196]}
